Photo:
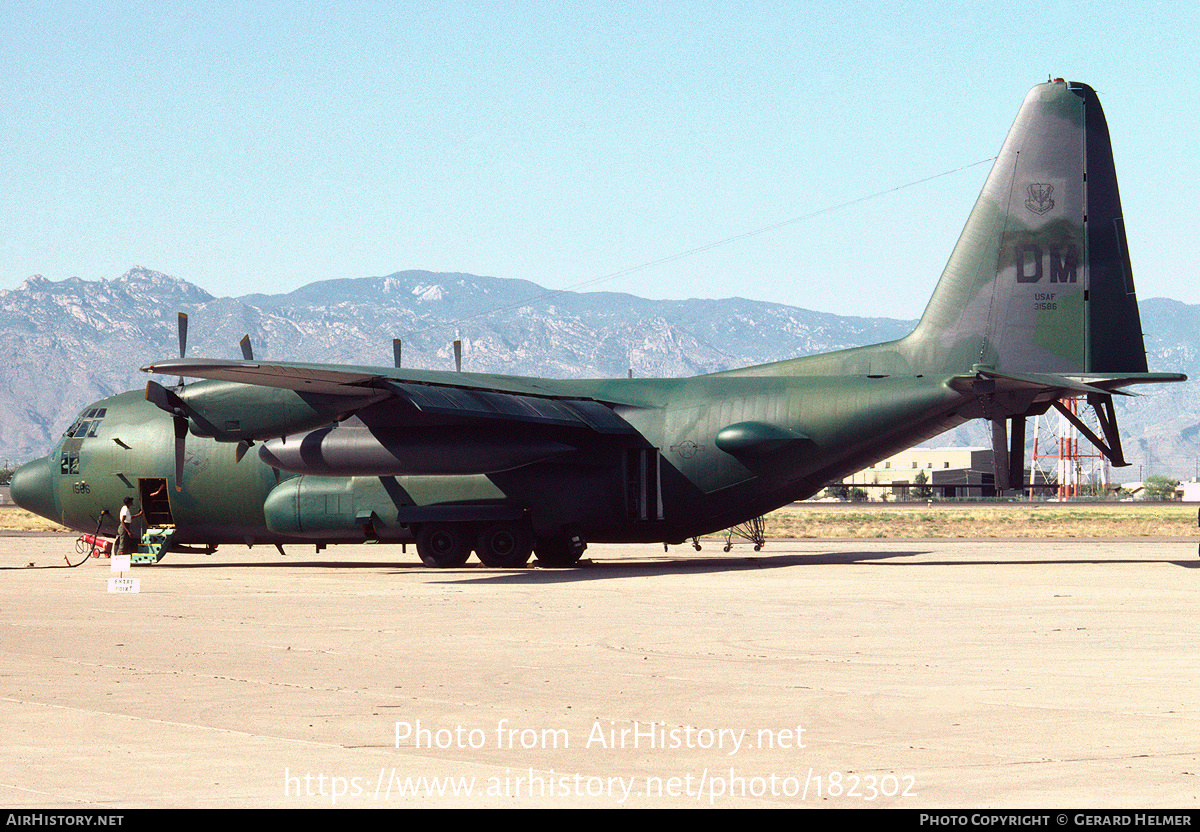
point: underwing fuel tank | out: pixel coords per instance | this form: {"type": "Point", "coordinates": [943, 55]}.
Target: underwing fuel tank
{"type": "Point", "coordinates": [359, 451]}
{"type": "Point", "coordinates": [351, 508]}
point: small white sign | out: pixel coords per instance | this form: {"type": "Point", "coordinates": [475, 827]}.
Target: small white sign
{"type": "Point", "coordinates": [124, 584]}
{"type": "Point", "coordinates": [121, 563]}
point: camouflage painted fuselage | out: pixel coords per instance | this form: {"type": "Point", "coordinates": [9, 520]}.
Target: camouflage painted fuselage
{"type": "Point", "coordinates": [1035, 304]}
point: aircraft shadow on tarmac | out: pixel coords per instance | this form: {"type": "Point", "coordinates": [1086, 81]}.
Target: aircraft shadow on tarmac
{"type": "Point", "coordinates": [629, 568]}
{"type": "Point", "coordinates": [606, 570]}
{"type": "Point", "coordinates": [652, 564]}
{"type": "Point", "coordinates": [587, 569]}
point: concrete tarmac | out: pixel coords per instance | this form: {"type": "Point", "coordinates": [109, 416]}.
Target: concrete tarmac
{"type": "Point", "coordinates": [818, 673]}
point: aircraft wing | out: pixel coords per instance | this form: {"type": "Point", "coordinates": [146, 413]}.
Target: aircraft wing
{"type": "Point", "coordinates": [349, 380]}
{"type": "Point", "coordinates": [464, 396]}
{"type": "Point", "coordinates": [307, 378]}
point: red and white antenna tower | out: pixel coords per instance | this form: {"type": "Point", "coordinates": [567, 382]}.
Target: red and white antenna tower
{"type": "Point", "coordinates": [1060, 457]}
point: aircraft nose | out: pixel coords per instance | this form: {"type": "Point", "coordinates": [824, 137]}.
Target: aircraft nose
{"type": "Point", "coordinates": [32, 489]}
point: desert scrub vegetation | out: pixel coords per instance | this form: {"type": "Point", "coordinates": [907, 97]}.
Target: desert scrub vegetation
{"type": "Point", "coordinates": [980, 520]}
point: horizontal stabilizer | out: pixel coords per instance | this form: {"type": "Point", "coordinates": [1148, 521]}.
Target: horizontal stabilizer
{"type": "Point", "coordinates": [1064, 385]}
{"type": "Point", "coordinates": [1111, 382]}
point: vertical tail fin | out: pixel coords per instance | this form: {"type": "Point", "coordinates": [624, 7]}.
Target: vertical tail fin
{"type": "Point", "coordinates": [1040, 279]}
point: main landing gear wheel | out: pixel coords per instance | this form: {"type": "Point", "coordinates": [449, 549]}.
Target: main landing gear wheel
{"type": "Point", "coordinates": [443, 544]}
{"type": "Point", "coordinates": [558, 551]}
{"type": "Point", "coordinates": [504, 545]}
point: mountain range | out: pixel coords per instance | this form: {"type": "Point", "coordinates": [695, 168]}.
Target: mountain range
{"type": "Point", "coordinates": [64, 344]}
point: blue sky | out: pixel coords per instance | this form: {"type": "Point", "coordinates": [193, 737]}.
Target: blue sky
{"type": "Point", "coordinates": [261, 146]}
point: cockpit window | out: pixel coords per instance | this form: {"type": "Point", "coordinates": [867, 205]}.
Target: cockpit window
{"type": "Point", "coordinates": [88, 423]}
{"type": "Point", "coordinates": [84, 427]}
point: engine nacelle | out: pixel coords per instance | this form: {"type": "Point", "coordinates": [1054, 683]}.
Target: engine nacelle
{"type": "Point", "coordinates": [230, 412]}
{"type": "Point", "coordinates": [373, 452]}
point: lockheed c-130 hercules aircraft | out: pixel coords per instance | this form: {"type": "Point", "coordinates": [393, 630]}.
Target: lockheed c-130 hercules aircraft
{"type": "Point", "coordinates": [1036, 304]}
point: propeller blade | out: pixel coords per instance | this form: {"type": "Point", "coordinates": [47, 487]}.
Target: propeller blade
{"type": "Point", "coordinates": [164, 399]}
{"type": "Point", "coordinates": [396, 352]}
{"type": "Point", "coordinates": [181, 432]}
{"type": "Point", "coordinates": [247, 349]}
{"type": "Point", "coordinates": [240, 452]}
{"type": "Point", "coordinates": [458, 355]}
{"type": "Point", "coordinates": [183, 334]}
{"type": "Point", "coordinates": [182, 327]}
{"type": "Point", "coordinates": [169, 401]}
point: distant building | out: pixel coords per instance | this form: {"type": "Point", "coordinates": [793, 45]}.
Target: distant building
{"type": "Point", "coordinates": [951, 473]}
{"type": "Point", "coordinates": [1188, 492]}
